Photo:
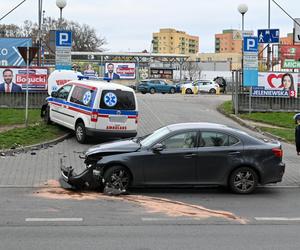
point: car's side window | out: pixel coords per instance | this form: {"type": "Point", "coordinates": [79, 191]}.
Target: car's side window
{"type": "Point", "coordinates": [216, 139]}
{"type": "Point", "coordinates": [182, 140]}
{"type": "Point", "coordinates": [64, 92]}
{"type": "Point", "coordinates": [82, 96]}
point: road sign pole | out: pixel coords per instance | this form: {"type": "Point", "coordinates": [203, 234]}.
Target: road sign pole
{"type": "Point", "coordinates": [27, 81]}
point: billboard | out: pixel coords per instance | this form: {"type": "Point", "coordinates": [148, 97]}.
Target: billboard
{"type": "Point", "coordinates": [120, 70]}
{"type": "Point", "coordinates": [9, 54]}
{"type": "Point", "coordinates": [290, 56]}
{"type": "Point", "coordinates": [280, 84]}
{"type": "Point", "coordinates": [14, 79]}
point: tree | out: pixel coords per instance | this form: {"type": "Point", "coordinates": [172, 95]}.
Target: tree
{"type": "Point", "coordinates": [193, 70]}
{"type": "Point", "coordinates": [85, 38]}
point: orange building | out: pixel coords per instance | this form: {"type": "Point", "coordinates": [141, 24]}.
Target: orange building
{"type": "Point", "coordinates": [230, 41]}
{"type": "Point", "coordinates": [288, 40]}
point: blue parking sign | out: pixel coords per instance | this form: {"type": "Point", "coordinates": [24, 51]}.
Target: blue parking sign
{"type": "Point", "coordinates": [63, 38]}
{"type": "Point", "coordinates": [250, 44]}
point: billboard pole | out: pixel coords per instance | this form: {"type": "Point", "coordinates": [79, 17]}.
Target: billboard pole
{"type": "Point", "coordinates": [27, 79]}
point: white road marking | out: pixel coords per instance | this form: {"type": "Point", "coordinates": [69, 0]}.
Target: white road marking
{"type": "Point", "coordinates": [53, 219]}
{"type": "Point", "coordinates": [277, 218]}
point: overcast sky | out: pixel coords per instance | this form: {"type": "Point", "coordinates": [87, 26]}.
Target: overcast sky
{"type": "Point", "coordinates": [128, 25]}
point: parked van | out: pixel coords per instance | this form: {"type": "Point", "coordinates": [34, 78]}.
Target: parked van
{"type": "Point", "coordinates": [94, 108]}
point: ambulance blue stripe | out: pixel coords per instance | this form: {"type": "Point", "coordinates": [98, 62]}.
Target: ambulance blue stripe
{"type": "Point", "coordinates": [100, 111]}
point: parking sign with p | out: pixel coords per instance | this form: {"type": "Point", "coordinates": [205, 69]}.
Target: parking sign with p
{"type": "Point", "coordinates": [63, 38]}
{"type": "Point", "coordinates": [250, 44]}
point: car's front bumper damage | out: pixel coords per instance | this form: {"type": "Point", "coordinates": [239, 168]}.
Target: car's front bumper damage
{"type": "Point", "coordinates": [89, 178]}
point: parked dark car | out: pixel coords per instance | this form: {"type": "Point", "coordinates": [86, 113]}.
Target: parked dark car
{"type": "Point", "coordinates": [183, 154]}
{"type": "Point", "coordinates": [156, 86]}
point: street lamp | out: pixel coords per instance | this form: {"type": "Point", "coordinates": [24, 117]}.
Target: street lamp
{"type": "Point", "coordinates": [61, 4]}
{"type": "Point", "coordinates": [243, 8]}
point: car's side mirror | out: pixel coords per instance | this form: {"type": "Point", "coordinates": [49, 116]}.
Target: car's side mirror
{"type": "Point", "coordinates": [54, 94]}
{"type": "Point", "coordinates": [158, 147]}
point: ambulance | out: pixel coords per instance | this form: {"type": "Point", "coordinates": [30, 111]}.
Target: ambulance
{"type": "Point", "coordinates": [94, 109]}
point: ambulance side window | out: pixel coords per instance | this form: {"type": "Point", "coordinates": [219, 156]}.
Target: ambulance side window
{"type": "Point", "coordinates": [82, 96]}
{"type": "Point", "coordinates": [64, 92]}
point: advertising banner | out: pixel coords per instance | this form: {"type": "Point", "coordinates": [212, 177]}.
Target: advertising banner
{"type": "Point", "coordinates": [120, 70]}
{"type": "Point", "coordinates": [14, 79]}
{"type": "Point", "coordinates": [290, 56]}
{"type": "Point", "coordinates": [281, 84]}
{"type": "Point", "coordinates": [9, 54]}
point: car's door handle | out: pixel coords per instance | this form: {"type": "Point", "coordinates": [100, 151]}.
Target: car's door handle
{"type": "Point", "coordinates": [234, 153]}
{"type": "Point", "coordinates": [187, 156]}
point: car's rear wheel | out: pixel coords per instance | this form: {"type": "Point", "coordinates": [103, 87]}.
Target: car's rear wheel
{"type": "Point", "coordinates": [152, 91]}
{"type": "Point", "coordinates": [212, 91]}
{"type": "Point", "coordinates": [143, 92]}
{"type": "Point", "coordinates": [243, 180]}
{"type": "Point", "coordinates": [189, 91]}
{"type": "Point", "coordinates": [117, 177]}
{"type": "Point", "coordinates": [172, 90]}
{"type": "Point", "coordinates": [80, 132]}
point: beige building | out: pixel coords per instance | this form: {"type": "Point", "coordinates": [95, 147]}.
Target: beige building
{"type": "Point", "coordinates": [171, 41]}
{"type": "Point", "coordinates": [288, 40]}
{"type": "Point", "coordinates": [235, 59]}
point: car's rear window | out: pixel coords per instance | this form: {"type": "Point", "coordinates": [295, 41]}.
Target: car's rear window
{"type": "Point", "coordinates": [117, 99]}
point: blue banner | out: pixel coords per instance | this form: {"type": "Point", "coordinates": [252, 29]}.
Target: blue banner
{"type": "Point", "coordinates": [9, 54]}
{"type": "Point", "coordinates": [261, 91]}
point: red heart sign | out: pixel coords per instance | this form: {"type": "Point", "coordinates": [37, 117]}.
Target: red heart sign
{"type": "Point", "coordinates": [275, 81]}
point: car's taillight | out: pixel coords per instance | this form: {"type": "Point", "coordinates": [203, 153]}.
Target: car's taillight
{"type": "Point", "coordinates": [278, 152]}
{"type": "Point", "coordinates": [94, 117]}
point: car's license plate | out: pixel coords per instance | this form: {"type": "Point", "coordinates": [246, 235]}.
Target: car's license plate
{"type": "Point", "coordinates": [118, 118]}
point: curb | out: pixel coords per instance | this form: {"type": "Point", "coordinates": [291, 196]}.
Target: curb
{"type": "Point", "coordinates": [251, 127]}
{"type": "Point", "coordinates": [11, 152]}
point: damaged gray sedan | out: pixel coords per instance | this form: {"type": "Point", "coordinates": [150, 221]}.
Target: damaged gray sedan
{"type": "Point", "coordinates": [186, 154]}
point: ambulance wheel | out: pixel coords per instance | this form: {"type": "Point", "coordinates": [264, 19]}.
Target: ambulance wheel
{"type": "Point", "coordinates": [80, 132]}
{"type": "Point", "coordinates": [47, 119]}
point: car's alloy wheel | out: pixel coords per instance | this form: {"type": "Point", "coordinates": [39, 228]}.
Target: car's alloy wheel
{"type": "Point", "coordinates": [212, 91]}
{"type": "Point", "coordinates": [243, 180]}
{"type": "Point", "coordinates": [188, 91]}
{"type": "Point", "coordinates": [117, 177]}
{"type": "Point", "coordinates": [152, 90]}
{"type": "Point", "coordinates": [172, 90]}
{"type": "Point", "coordinates": [80, 132]}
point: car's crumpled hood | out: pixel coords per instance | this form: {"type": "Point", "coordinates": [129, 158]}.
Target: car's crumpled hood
{"type": "Point", "coordinates": [121, 146]}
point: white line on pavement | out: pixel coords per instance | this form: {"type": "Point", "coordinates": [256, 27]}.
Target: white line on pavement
{"type": "Point", "coordinates": [169, 219]}
{"type": "Point", "coordinates": [53, 219]}
{"type": "Point", "coordinates": [277, 218]}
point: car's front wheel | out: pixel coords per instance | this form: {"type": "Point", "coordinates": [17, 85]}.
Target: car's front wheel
{"type": "Point", "coordinates": [212, 91]}
{"type": "Point", "coordinates": [243, 180]}
{"type": "Point", "coordinates": [152, 91]}
{"type": "Point", "coordinates": [46, 117]}
{"type": "Point", "coordinates": [189, 91]}
{"type": "Point", "coordinates": [117, 177]}
{"type": "Point", "coordinates": [172, 90]}
{"type": "Point", "coordinates": [80, 132]}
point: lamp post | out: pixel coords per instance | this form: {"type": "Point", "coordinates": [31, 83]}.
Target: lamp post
{"type": "Point", "coordinates": [61, 4]}
{"type": "Point", "coordinates": [242, 8]}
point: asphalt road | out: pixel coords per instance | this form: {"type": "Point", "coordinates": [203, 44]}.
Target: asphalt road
{"type": "Point", "coordinates": [28, 221]}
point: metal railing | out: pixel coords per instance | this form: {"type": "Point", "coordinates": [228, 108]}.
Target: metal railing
{"type": "Point", "coordinates": [17, 100]}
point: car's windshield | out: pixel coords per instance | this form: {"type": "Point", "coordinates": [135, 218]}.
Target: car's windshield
{"type": "Point", "coordinates": [155, 136]}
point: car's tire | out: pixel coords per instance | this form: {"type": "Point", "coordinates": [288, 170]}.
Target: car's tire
{"type": "Point", "coordinates": [80, 132]}
{"type": "Point", "coordinates": [188, 91]}
{"type": "Point", "coordinates": [243, 180]}
{"type": "Point", "coordinates": [117, 177]}
{"type": "Point", "coordinates": [143, 92]}
{"type": "Point", "coordinates": [172, 91]}
{"type": "Point", "coordinates": [163, 93]}
{"type": "Point", "coordinates": [152, 91]}
{"type": "Point", "coordinates": [46, 117]}
{"type": "Point", "coordinates": [212, 91]}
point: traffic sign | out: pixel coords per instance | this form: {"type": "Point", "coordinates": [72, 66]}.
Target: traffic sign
{"type": "Point", "coordinates": [250, 44]}
{"type": "Point", "coordinates": [268, 36]}
{"type": "Point", "coordinates": [64, 38]}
